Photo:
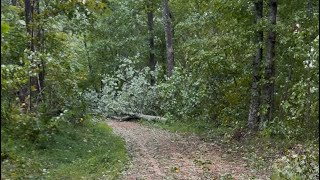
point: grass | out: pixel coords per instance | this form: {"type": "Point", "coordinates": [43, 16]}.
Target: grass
{"type": "Point", "coordinates": [223, 135]}
{"type": "Point", "coordinates": [74, 152]}
{"type": "Point", "coordinates": [206, 130]}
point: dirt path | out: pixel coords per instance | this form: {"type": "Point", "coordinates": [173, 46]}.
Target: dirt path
{"type": "Point", "coordinates": [158, 154]}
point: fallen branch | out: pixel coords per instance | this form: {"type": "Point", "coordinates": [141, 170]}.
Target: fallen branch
{"type": "Point", "coordinates": [124, 118]}
{"type": "Point", "coordinates": [132, 116]}
{"type": "Point", "coordinates": [150, 118]}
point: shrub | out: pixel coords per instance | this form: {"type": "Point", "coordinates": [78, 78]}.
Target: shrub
{"type": "Point", "coordinates": [128, 90]}
{"type": "Point", "coordinates": [298, 163]}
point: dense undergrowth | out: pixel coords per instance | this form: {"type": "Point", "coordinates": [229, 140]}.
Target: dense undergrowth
{"type": "Point", "coordinates": [86, 151]}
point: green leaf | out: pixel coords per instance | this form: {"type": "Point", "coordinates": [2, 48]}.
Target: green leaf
{"type": "Point", "coordinates": [4, 27]}
{"type": "Point", "coordinates": [22, 22]}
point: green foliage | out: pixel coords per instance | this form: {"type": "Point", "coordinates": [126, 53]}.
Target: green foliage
{"type": "Point", "coordinates": [5, 27]}
{"type": "Point", "coordinates": [299, 163]}
{"type": "Point", "coordinates": [226, 176]}
{"type": "Point", "coordinates": [181, 95]}
{"type": "Point", "coordinates": [122, 33]}
{"type": "Point", "coordinates": [94, 55]}
{"type": "Point", "coordinates": [127, 91]}
{"type": "Point", "coordinates": [33, 143]}
{"type": "Point", "coordinates": [292, 124]}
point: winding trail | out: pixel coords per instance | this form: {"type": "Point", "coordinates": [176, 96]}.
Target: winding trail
{"type": "Point", "coordinates": [157, 154]}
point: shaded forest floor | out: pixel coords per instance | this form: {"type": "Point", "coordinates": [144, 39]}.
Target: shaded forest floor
{"type": "Point", "coordinates": [158, 154]}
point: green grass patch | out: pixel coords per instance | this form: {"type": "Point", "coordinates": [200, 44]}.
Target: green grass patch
{"type": "Point", "coordinates": [86, 151]}
{"type": "Point", "coordinates": [204, 129]}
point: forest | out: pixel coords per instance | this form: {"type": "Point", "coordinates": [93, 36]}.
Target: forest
{"type": "Point", "coordinates": [88, 84]}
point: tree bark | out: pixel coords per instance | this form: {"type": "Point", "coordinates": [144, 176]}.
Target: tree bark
{"type": "Point", "coordinates": [14, 2]}
{"type": "Point", "coordinates": [152, 62]}
{"type": "Point", "coordinates": [270, 65]}
{"type": "Point", "coordinates": [32, 7]}
{"type": "Point", "coordinates": [254, 116]}
{"type": "Point", "coordinates": [39, 47]}
{"type": "Point", "coordinates": [42, 72]}
{"type": "Point", "coordinates": [169, 37]}
{"type": "Point", "coordinates": [28, 16]}
{"type": "Point", "coordinates": [27, 5]}
{"type": "Point", "coordinates": [150, 118]}
{"type": "Point", "coordinates": [308, 93]}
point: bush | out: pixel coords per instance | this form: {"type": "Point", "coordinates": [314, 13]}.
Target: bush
{"type": "Point", "coordinates": [128, 90]}
{"type": "Point", "coordinates": [298, 163]}
{"type": "Point", "coordinates": [182, 95]}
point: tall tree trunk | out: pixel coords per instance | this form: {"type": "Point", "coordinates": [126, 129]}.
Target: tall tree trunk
{"type": "Point", "coordinates": [254, 116]}
{"type": "Point", "coordinates": [37, 47]}
{"type": "Point", "coordinates": [152, 62]}
{"type": "Point", "coordinates": [168, 35]}
{"type": "Point", "coordinates": [14, 2]}
{"type": "Point", "coordinates": [270, 65]}
{"type": "Point", "coordinates": [95, 85]}
{"type": "Point", "coordinates": [28, 15]}
{"type": "Point", "coordinates": [32, 7]}
{"type": "Point", "coordinates": [308, 93]}
{"type": "Point", "coordinates": [27, 5]}
{"type": "Point", "coordinates": [42, 72]}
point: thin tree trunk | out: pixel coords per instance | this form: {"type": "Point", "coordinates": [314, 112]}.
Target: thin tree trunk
{"type": "Point", "coordinates": [254, 116]}
{"type": "Point", "coordinates": [27, 5]}
{"type": "Point", "coordinates": [285, 96]}
{"type": "Point", "coordinates": [270, 65]}
{"type": "Point", "coordinates": [308, 93]}
{"type": "Point", "coordinates": [95, 85]}
{"type": "Point", "coordinates": [288, 79]}
{"type": "Point", "coordinates": [42, 72]}
{"type": "Point", "coordinates": [28, 15]}
{"type": "Point", "coordinates": [152, 62]}
{"type": "Point", "coordinates": [31, 8]}
{"type": "Point", "coordinates": [37, 32]}
{"type": "Point", "coordinates": [37, 47]}
{"type": "Point", "coordinates": [168, 36]}
{"type": "Point", "coordinates": [88, 58]}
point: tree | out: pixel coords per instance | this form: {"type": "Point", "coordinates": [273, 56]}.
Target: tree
{"type": "Point", "coordinates": [254, 116]}
{"type": "Point", "coordinates": [308, 97]}
{"type": "Point", "coordinates": [13, 2]}
{"type": "Point", "coordinates": [32, 12]}
{"type": "Point", "coordinates": [39, 46]}
{"type": "Point", "coordinates": [28, 16]}
{"type": "Point", "coordinates": [152, 62]}
{"type": "Point", "coordinates": [270, 64]}
{"type": "Point", "coordinates": [169, 37]}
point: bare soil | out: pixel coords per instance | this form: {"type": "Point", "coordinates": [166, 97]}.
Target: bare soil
{"type": "Point", "coordinates": [157, 154]}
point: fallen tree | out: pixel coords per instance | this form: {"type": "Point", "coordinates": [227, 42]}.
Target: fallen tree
{"type": "Point", "coordinates": [135, 116]}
